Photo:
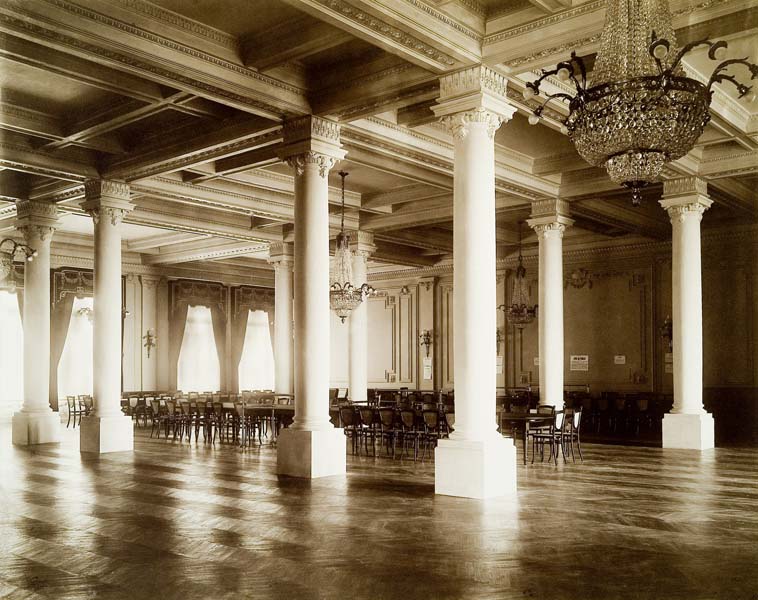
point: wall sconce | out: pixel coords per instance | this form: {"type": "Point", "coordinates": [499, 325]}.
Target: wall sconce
{"type": "Point", "coordinates": [426, 340]}
{"type": "Point", "coordinates": [151, 340]}
{"type": "Point", "coordinates": [7, 277]}
{"type": "Point", "coordinates": [667, 331]}
{"type": "Point", "coordinates": [498, 339]}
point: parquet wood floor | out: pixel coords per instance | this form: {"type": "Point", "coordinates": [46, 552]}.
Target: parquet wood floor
{"type": "Point", "coordinates": [184, 521]}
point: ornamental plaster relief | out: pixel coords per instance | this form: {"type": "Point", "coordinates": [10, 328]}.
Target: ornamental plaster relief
{"type": "Point", "coordinates": [459, 124]}
{"type": "Point", "coordinates": [323, 162]}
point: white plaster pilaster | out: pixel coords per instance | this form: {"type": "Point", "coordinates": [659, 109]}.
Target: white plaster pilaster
{"type": "Point", "coordinates": [362, 246]}
{"type": "Point", "coordinates": [282, 256]}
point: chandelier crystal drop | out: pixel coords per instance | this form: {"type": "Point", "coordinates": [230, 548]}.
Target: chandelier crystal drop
{"type": "Point", "coordinates": [7, 258]}
{"type": "Point", "coordinates": [344, 297]}
{"type": "Point", "coordinates": [520, 313]}
{"type": "Point", "coordinates": [637, 110]}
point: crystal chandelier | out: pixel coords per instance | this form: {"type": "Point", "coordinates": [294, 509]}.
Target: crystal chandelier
{"type": "Point", "coordinates": [7, 277]}
{"type": "Point", "coordinates": [637, 110]}
{"type": "Point", "coordinates": [343, 296]}
{"type": "Point", "coordinates": [520, 313]}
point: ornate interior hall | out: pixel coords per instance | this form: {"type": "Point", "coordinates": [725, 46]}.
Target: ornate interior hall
{"type": "Point", "coordinates": [378, 298]}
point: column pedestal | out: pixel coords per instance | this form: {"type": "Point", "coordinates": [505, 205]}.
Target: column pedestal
{"type": "Point", "coordinates": [688, 431]}
{"type": "Point", "coordinates": [475, 469]}
{"type": "Point", "coordinates": [36, 428]}
{"type": "Point", "coordinates": [311, 454]}
{"type": "Point", "coordinates": [106, 434]}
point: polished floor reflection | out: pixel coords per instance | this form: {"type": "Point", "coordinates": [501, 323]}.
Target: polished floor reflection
{"type": "Point", "coordinates": [179, 520]}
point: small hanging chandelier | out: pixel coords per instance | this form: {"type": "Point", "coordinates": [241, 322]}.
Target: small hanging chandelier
{"type": "Point", "coordinates": [343, 296]}
{"type": "Point", "coordinates": [520, 313]}
{"type": "Point", "coordinates": [639, 111]}
{"type": "Point", "coordinates": [7, 276]}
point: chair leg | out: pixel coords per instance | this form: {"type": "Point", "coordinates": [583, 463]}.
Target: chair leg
{"type": "Point", "coordinates": [579, 447]}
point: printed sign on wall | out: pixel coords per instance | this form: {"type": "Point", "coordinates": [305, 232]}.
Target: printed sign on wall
{"type": "Point", "coordinates": [579, 362]}
{"type": "Point", "coordinates": [619, 359]}
{"type": "Point", "coordinates": [427, 368]}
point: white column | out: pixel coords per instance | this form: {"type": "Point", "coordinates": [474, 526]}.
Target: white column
{"type": "Point", "coordinates": [549, 221]}
{"type": "Point", "coordinates": [107, 429]}
{"type": "Point", "coordinates": [281, 255]}
{"type": "Point", "coordinates": [688, 425]}
{"type": "Point", "coordinates": [311, 447]}
{"type": "Point", "coordinates": [36, 423]}
{"type": "Point", "coordinates": [362, 247]}
{"type": "Point", "coordinates": [476, 461]}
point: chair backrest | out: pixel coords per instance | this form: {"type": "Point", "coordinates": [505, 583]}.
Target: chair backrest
{"type": "Point", "coordinates": [155, 405]}
{"type": "Point", "coordinates": [341, 393]}
{"type": "Point", "coordinates": [643, 403]}
{"type": "Point", "coordinates": [560, 420]}
{"type": "Point", "coordinates": [133, 400]}
{"type": "Point", "coordinates": [431, 419]}
{"type": "Point", "coordinates": [520, 408]}
{"type": "Point", "coordinates": [71, 401]}
{"type": "Point", "coordinates": [367, 415]}
{"type": "Point", "coordinates": [450, 419]}
{"type": "Point", "coordinates": [170, 407]}
{"type": "Point", "coordinates": [408, 419]}
{"type": "Point", "coordinates": [387, 417]}
{"type": "Point", "coordinates": [587, 402]}
{"type": "Point", "coordinates": [577, 421]}
{"type": "Point", "coordinates": [218, 409]}
{"type": "Point", "coordinates": [546, 409]}
{"type": "Point", "coordinates": [186, 408]}
{"type": "Point", "coordinates": [347, 416]}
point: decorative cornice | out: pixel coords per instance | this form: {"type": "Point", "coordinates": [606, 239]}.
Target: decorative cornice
{"type": "Point", "coordinates": [474, 79]}
{"type": "Point", "coordinates": [309, 127]}
{"type": "Point", "coordinates": [392, 34]}
{"type": "Point", "coordinates": [474, 7]}
{"type": "Point", "coordinates": [564, 15]}
{"type": "Point", "coordinates": [553, 50]}
{"type": "Point", "coordinates": [411, 132]}
{"type": "Point", "coordinates": [451, 22]}
{"type": "Point", "coordinates": [182, 77]}
{"type": "Point", "coordinates": [37, 212]}
{"type": "Point", "coordinates": [95, 189]}
{"type": "Point", "coordinates": [176, 20]}
{"type": "Point", "coordinates": [35, 169]}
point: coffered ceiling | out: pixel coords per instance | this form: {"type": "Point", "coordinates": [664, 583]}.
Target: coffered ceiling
{"type": "Point", "coordinates": [184, 99]}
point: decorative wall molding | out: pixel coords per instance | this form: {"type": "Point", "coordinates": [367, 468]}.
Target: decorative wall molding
{"type": "Point", "coordinates": [70, 281]}
{"type": "Point", "coordinates": [246, 298]}
{"type": "Point", "coordinates": [198, 293]}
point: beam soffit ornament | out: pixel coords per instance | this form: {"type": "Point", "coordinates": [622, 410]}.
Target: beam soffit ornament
{"type": "Point", "coordinates": [107, 198]}
{"type": "Point", "coordinates": [311, 140]}
{"type": "Point", "coordinates": [684, 197]}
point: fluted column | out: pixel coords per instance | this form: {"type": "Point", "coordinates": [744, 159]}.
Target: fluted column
{"type": "Point", "coordinates": [476, 461]}
{"type": "Point", "coordinates": [281, 255]}
{"type": "Point", "coordinates": [36, 423]}
{"type": "Point", "coordinates": [688, 425]}
{"type": "Point", "coordinates": [107, 429]}
{"type": "Point", "coordinates": [311, 447]}
{"type": "Point", "coordinates": [362, 247]}
{"type": "Point", "coordinates": [549, 221]}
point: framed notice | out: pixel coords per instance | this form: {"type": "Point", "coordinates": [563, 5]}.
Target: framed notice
{"type": "Point", "coordinates": [536, 361]}
{"type": "Point", "coordinates": [427, 368]}
{"type": "Point", "coordinates": [668, 357]}
{"type": "Point", "coordinates": [499, 365]}
{"type": "Point", "coordinates": [668, 368]}
{"type": "Point", "coordinates": [579, 362]}
{"type": "Point", "coordinates": [619, 359]}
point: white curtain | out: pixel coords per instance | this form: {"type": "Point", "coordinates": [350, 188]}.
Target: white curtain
{"type": "Point", "coordinates": [11, 355]}
{"type": "Point", "coordinates": [256, 370]}
{"type": "Point", "coordinates": [198, 369]}
{"type": "Point", "coordinates": [75, 368]}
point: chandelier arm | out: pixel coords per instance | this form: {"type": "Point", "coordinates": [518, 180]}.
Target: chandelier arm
{"type": "Point", "coordinates": [538, 111]}
{"type": "Point", "coordinates": [14, 245]}
{"type": "Point", "coordinates": [579, 61]}
{"type": "Point", "coordinates": [713, 46]}
{"type": "Point", "coordinates": [719, 76]}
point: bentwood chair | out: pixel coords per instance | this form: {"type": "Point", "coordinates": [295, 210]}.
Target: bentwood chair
{"type": "Point", "coordinates": [572, 434]}
{"type": "Point", "coordinates": [432, 428]}
{"type": "Point", "coordinates": [350, 425]}
{"type": "Point", "coordinates": [369, 426]}
{"type": "Point", "coordinates": [409, 431]}
{"type": "Point", "coordinates": [553, 436]}
{"type": "Point", "coordinates": [73, 409]}
{"type": "Point", "coordinates": [388, 432]}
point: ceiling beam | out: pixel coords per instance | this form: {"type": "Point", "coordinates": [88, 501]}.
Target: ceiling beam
{"type": "Point", "coordinates": [161, 240]}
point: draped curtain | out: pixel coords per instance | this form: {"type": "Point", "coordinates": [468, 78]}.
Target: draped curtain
{"type": "Point", "coordinates": [219, 333]}
{"type": "Point", "coordinates": [256, 367]}
{"type": "Point", "coordinates": [176, 327]}
{"type": "Point", "coordinates": [20, 300]}
{"type": "Point", "coordinates": [239, 326]}
{"type": "Point", "coordinates": [11, 355]}
{"type": "Point", "coordinates": [60, 318]}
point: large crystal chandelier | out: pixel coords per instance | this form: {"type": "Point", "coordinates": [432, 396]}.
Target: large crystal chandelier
{"type": "Point", "coordinates": [343, 296]}
{"type": "Point", "coordinates": [637, 110]}
{"type": "Point", "coordinates": [520, 313]}
{"type": "Point", "coordinates": [7, 256]}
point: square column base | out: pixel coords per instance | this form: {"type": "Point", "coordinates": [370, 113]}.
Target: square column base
{"type": "Point", "coordinates": [688, 431]}
{"type": "Point", "coordinates": [36, 428]}
{"type": "Point", "coordinates": [106, 434]}
{"type": "Point", "coordinates": [311, 454]}
{"type": "Point", "coordinates": [475, 469]}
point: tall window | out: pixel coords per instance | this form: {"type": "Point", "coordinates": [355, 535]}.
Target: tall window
{"type": "Point", "coordinates": [11, 355]}
{"type": "Point", "coordinates": [75, 367]}
{"type": "Point", "coordinates": [198, 369]}
{"type": "Point", "coordinates": [256, 370]}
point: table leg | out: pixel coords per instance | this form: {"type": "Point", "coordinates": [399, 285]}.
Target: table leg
{"type": "Point", "coordinates": [526, 435]}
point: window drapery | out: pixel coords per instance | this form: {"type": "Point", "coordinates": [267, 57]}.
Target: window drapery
{"type": "Point", "coordinates": [75, 365]}
{"type": "Point", "coordinates": [198, 367]}
{"type": "Point", "coordinates": [11, 354]}
{"type": "Point", "coordinates": [60, 318]}
{"type": "Point", "coordinates": [256, 366]}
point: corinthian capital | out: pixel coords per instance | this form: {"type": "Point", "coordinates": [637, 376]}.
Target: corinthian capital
{"type": "Point", "coordinates": [459, 124]}
{"type": "Point", "coordinates": [36, 220]}
{"type": "Point", "coordinates": [324, 162]}
{"type": "Point", "coordinates": [106, 200]}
